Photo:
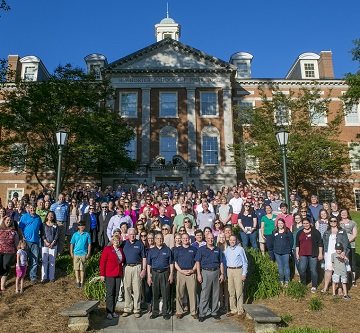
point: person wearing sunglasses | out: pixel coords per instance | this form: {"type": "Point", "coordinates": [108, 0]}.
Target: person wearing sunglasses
{"type": "Point", "coordinates": [248, 226]}
{"type": "Point", "coordinates": [104, 218]}
{"type": "Point", "coordinates": [179, 219]}
{"type": "Point", "coordinates": [205, 218]}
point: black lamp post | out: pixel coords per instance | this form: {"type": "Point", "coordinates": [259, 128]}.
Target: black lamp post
{"type": "Point", "coordinates": [282, 136]}
{"type": "Point", "coordinates": [61, 137]}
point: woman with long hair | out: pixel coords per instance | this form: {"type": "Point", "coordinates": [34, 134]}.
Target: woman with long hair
{"type": "Point", "coordinates": [283, 243]}
{"type": "Point", "coordinates": [74, 218]}
{"type": "Point", "coordinates": [322, 222]}
{"type": "Point", "coordinates": [350, 227]}
{"type": "Point", "coordinates": [248, 226]}
{"type": "Point", "coordinates": [334, 234]}
{"type": "Point", "coordinates": [266, 229]}
{"type": "Point", "coordinates": [224, 292]}
{"type": "Point", "coordinates": [155, 225]}
{"type": "Point", "coordinates": [189, 229]}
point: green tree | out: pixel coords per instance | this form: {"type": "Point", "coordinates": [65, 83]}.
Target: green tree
{"type": "Point", "coordinates": [314, 152]}
{"type": "Point", "coordinates": [352, 96]}
{"type": "Point", "coordinates": [69, 99]}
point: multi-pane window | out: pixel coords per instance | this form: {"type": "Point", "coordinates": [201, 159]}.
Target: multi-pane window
{"type": "Point", "coordinates": [128, 104]}
{"type": "Point", "coordinates": [242, 69]}
{"type": "Point", "coordinates": [29, 74]}
{"type": "Point", "coordinates": [327, 194]}
{"type": "Point", "coordinates": [352, 115]}
{"type": "Point", "coordinates": [18, 157]}
{"type": "Point", "coordinates": [208, 104]}
{"type": "Point", "coordinates": [210, 150]}
{"type": "Point", "coordinates": [317, 118]}
{"type": "Point", "coordinates": [131, 149]}
{"type": "Point", "coordinates": [168, 104]}
{"type": "Point", "coordinates": [168, 143]}
{"type": "Point", "coordinates": [354, 155]}
{"type": "Point", "coordinates": [95, 70]}
{"type": "Point", "coordinates": [244, 108]}
{"type": "Point", "coordinates": [282, 115]}
{"type": "Point", "coordinates": [309, 70]}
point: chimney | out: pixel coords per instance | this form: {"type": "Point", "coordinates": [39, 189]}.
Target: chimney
{"type": "Point", "coordinates": [14, 68]}
{"type": "Point", "coordinates": [326, 70]}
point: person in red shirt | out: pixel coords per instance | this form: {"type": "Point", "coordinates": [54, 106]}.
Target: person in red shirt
{"type": "Point", "coordinates": [149, 204]}
{"type": "Point", "coordinates": [169, 210]}
{"type": "Point", "coordinates": [111, 272]}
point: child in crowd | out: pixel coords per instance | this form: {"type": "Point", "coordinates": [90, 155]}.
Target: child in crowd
{"type": "Point", "coordinates": [21, 264]}
{"type": "Point", "coordinates": [339, 261]}
{"type": "Point", "coordinates": [80, 249]}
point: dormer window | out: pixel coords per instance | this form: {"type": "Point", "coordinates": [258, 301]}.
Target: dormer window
{"type": "Point", "coordinates": [243, 69]}
{"type": "Point", "coordinates": [29, 73]}
{"type": "Point", "coordinates": [309, 70]}
{"type": "Point", "coordinates": [95, 70]}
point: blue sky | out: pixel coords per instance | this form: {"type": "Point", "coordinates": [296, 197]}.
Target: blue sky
{"type": "Point", "coordinates": [275, 32]}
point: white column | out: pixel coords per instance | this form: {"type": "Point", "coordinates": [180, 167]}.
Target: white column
{"type": "Point", "coordinates": [191, 125]}
{"type": "Point", "coordinates": [145, 123]}
{"type": "Point", "coordinates": [228, 125]}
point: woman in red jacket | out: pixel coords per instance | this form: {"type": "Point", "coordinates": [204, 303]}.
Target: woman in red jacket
{"type": "Point", "coordinates": [111, 272]}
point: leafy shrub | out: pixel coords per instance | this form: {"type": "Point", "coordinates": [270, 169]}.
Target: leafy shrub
{"type": "Point", "coordinates": [295, 290]}
{"type": "Point", "coordinates": [92, 268]}
{"type": "Point", "coordinates": [95, 289]}
{"type": "Point", "coordinates": [65, 263]}
{"type": "Point", "coordinates": [262, 278]}
{"type": "Point", "coordinates": [315, 304]}
{"type": "Point", "coordinates": [307, 330]}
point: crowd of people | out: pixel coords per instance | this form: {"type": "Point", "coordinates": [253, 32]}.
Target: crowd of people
{"type": "Point", "coordinates": [172, 242]}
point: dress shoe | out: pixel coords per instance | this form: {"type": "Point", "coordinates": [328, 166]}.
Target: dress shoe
{"type": "Point", "coordinates": [153, 316]}
{"type": "Point", "coordinates": [230, 314]}
{"type": "Point", "coordinates": [179, 315]}
{"type": "Point", "coordinates": [195, 316]}
{"type": "Point", "coordinates": [201, 319]}
{"type": "Point", "coordinates": [166, 317]}
{"type": "Point", "coordinates": [217, 317]}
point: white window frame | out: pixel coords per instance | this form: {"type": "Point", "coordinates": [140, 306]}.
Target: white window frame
{"type": "Point", "coordinates": [161, 103]}
{"type": "Point", "coordinates": [203, 103]}
{"type": "Point", "coordinates": [168, 132]}
{"type": "Point", "coordinates": [210, 132]}
{"type": "Point", "coordinates": [279, 112]}
{"type": "Point", "coordinates": [132, 148]}
{"type": "Point", "coordinates": [132, 115]}
{"type": "Point", "coordinates": [352, 111]}
{"type": "Point", "coordinates": [251, 104]}
{"type": "Point", "coordinates": [316, 121]}
{"type": "Point", "coordinates": [354, 155]}
{"type": "Point", "coordinates": [18, 169]}
{"type": "Point", "coordinates": [241, 71]}
{"type": "Point", "coordinates": [304, 70]}
{"type": "Point", "coordinates": [11, 190]}
{"type": "Point", "coordinates": [31, 75]}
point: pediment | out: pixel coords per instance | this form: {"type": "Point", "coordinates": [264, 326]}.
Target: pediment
{"type": "Point", "coordinates": [169, 55]}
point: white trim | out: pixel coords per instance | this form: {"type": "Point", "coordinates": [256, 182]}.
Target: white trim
{"type": "Point", "coordinates": [212, 132]}
{"type": "Point", "coordinates": [136, 105]}
{"type": "Point", "coordinates": [216, 94]}
{"type": "Point", "coordinates": [176, 115]}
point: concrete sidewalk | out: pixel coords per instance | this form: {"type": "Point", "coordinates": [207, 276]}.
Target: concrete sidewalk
{"type": "Point", "coordinates": [187, 324]}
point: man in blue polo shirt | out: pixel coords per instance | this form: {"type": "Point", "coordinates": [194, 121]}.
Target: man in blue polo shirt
{"type": "Point", "coordinates": [134, 272]}
{"type": "Point", "coordinates": [29, 227]}
{"type": "Point", "coordinates": [160, 269]}
{"type": "Point", "coordinates": [210, 273]}
{"type": "Point", "coordinates": [61, 210]}
{"type": "Point", "coordinates": [237, 266]}
{"type": "Point", "coordinates": [184, 257]}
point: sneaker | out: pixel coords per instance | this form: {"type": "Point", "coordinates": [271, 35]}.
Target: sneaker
{"type": "Point", "coordinates": [286, 284]}
{"type": "Point", "coordinates": [78, 284]}
{"type": "Point", "coordinates": [313, 290]}
{"type": "Point", "coordinates": [82, 285]}
{"type": "Point", "coordinates": [115, 315]}
{"type": "Point", "coordinates": [354, 284]}
{"type": "Point", "coordinates": [109, 316]}
{"type": "Point", "coordinates": [346, 296]}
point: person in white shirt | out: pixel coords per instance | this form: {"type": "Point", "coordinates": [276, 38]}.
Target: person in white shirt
{"type": "Point", "coordinates": [236, 203]}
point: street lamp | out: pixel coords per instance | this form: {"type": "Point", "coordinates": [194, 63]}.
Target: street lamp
{"type": "Point", "coordinates": [61, 137]}
{"type": "Point", "coordinates": [282, 136]}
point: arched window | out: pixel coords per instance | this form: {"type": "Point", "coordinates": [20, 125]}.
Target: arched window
{"type": "Point", "coordinates": [168, 143]}
{"type": "Point", "coordinates": [210, 145]}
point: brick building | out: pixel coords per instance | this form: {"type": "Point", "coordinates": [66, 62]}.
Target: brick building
{"type": "Point", "coordinates": [179, 102]}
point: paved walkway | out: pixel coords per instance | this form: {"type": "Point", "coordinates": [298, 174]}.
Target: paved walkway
{"type": "Point", "coordinates": [185, 325]}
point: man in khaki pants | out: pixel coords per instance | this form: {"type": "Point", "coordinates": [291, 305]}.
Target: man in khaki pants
{"type": "Point", "coordinates": [237, 266]}
{"type": "Point", "coordinates": [184, 257]}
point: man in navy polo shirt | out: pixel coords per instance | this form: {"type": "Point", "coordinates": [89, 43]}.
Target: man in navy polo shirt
{"type": "Point", "coordinates": [160, 269]}
{"type": "Point", "coordinates": [134, 272]}
{"type": "Point", "coordinates": [184, 257]}
{"type": "Point", "coordinates": [164, 219]}
{"type": "Point", "coordinates": [210, 273]}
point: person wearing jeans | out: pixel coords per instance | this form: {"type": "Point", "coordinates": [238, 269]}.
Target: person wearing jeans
{"type": "Point", "coordinates": [283, 242]}
{"type": "Point", "coordinates": [29, 227]}
{"type": "Point", "coordinates": [309, 250]}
